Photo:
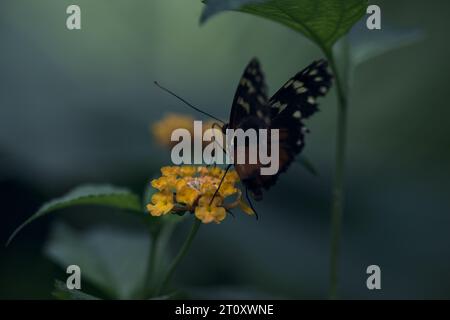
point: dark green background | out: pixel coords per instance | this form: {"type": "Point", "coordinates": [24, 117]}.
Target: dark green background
{"type": "Point", "coordinates": [75, 106]}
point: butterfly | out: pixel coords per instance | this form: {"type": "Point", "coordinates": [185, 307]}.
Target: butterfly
{"type": "Point", "coordinates": [286, 111]}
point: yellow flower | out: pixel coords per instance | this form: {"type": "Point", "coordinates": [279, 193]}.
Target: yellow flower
{"type": "Point", "coordinates": [216, 172]}
{"type": "Point", "coordinates": [206, 200]}
{"type": "Point", "coordinates": [187, 171]}
{"type": "Point", "coordinates": [232, 177]}
{"type": "Point", "coordinates": [170, 171]}
{"type": "Point", "coordinates": [162, 203]}
{"type": "Point", "coordinates": [202, 170]}
{"type": "Point", "coordinates": [210, 214]}
{"type": "Point", "coordinates": [191, 189]}
{"type": "Point", "coordinates": [181, 183]}
{"type": "Point", "coordinates": [163, 183]}
{"type": "Point", "coordinates": [187, 195]}
{"type": "Point", "coordinates": [162, 130]}
{"type": "Point", "coordinates": [227, 189]}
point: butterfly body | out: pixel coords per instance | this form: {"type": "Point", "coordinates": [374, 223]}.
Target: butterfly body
{"type": "Point", "coordinates": [286, 111]}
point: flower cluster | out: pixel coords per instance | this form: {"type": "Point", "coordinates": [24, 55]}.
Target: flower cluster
{"type": "Point", "coordinates": [191, 188]}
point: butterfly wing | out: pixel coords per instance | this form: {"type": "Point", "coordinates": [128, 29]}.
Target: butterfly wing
{"type": "Point", "coordinates": [289, 106]}
{"type": "Point", "coordinates": [250, 99]}
{"type": "Point", "coordinates": [294, 102]}
{"type": "Point", "coordinates": [302, 90]}
{"type": "Point", "coordinates": [250, 110]}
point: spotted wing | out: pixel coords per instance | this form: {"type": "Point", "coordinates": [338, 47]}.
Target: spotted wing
{"type": "Point", "coordinates": [294, 102]}
{"type": "Point", "coordinates": [301, 91]}
{"type": "Point", "coordinates": [250, 99]}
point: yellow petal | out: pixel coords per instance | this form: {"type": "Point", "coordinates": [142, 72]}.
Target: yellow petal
{"type": "Point", "coordinates": [187, 195]}
{"type": "Point", "coordinates": [170, 171]}
{"type": "Point", "coordinates": [160, 208]}
{"type": "Point", "coordinates": [208, 214]}
{"type": "Point", "coordinates": [227, 189]}
{"type": "Point", "coordinates": [219, 214]}
{"type": "Point", "coordinates": [246, 208]}
{"type": "Point", "coordinates": [165, 196]}
{"type": "Point", "coordinates": [204, 215]}
{"type": "Point", "coordinates": [232, 176]}
{"type": "Point", "coordinates": [181, 183]}
{"type": "Point", "coordinates": [202, 170]}
{"type": "Point", "coordinates": [216, 172]}
{"type": "Point", "coordinates": [206, 199]}
{"type": "Point", "coordinates": [187, 171]}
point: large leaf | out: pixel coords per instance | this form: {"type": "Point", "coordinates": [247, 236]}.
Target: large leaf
{"type": "Point", "coordinates": [322, 21]}
{"type": "Point", "coordinates": [111, 258]}
{"type": "Point", "coordinates": [104, 195]}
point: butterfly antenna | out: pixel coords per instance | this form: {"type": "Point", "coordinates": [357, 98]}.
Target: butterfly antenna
{"type": "Point", "coordinates": [186, 102]}
{"type": "Point", "coordinates": [213, 126]}
{"type": "Point", "coordinates": [250, 203]}
{"type": "Point", "coordinates": [220, 183]}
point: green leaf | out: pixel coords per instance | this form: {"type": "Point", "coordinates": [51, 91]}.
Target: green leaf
{"type": "Point", "coordinates": [104, 195]}
{"type": "Point", "coordinates": [368, 45]}
{"type": "Point", "coordinates": [111, 258]}
{"type": "Point", "coordinates": [322, 21]}
{"type": "Point", "coordinates": [63, 293]}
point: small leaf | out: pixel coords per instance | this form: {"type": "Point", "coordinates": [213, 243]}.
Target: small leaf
{"type": "Point", "coordinates": [322, 21]}
{"type": "Point", "coordinates": [63, 293]}
{"type": "Point", "coordinates": [104, 195]}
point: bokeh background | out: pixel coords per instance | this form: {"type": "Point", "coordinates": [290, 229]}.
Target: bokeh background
{"type": "Point", "coordinates": [75, 107]}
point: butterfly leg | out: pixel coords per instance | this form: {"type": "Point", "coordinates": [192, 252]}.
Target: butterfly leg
{"type": "Point", "coordinates": [220, 183]}
{"type": "Point", "coordinates": [250, 203]}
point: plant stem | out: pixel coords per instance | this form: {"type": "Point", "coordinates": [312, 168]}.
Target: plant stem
{"type": "Point", "coordinates": [338, 183]}
{"type": "Point", "coordinates": [184, 249]}
{"type": "Point", "coordinates": [149, 279]}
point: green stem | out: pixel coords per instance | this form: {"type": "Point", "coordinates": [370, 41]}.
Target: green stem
{"type": "Point", "coordinates": [338, 184]}
{"type": "Point", "coordinates": [149, 279]}
{"type": "Point", "coordinates": [184, 249]}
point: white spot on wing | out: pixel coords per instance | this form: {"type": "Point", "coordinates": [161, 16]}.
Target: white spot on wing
{"type": "Point", "coordinates": [311, 100]}
{"type": "Point", "coordinates": [298, 84]}
{"type": "Point", "coordinates": [297, 114]}
{"type": "Point", "coordinates": [288, 84]}
{"type": "Point", "coordinates": [259, 114]}
{"type": "Point", "coordinates": [261, 99]}
{"type": "Point", "coordinates": [302, 90]}
{"type": "Point", "coordinates": [243, 104]}
{"type": "Point", "coordinates": [282, 107]}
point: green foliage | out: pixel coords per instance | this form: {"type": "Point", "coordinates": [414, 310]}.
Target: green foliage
{"type": "Point", "coordinates": [112, 259]}
{"type": "Point", "coordinates": [368, 45]}
{"type": "Point", "coordinates": [61, 292]}
{"type": "Point", "coordinates": [322, 21]}
{"type": "Point", "coordinates": [104, 195]}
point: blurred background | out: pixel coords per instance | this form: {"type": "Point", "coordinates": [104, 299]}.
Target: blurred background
{"type": "Point", "coordinates": [76, 106]}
